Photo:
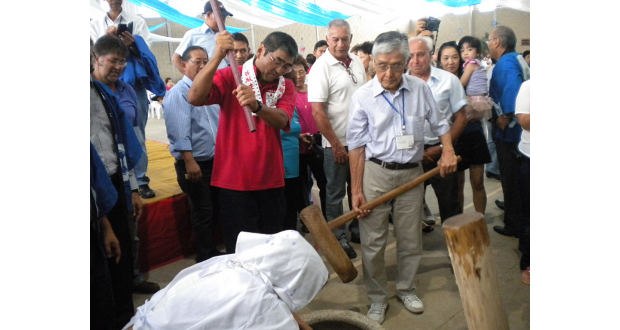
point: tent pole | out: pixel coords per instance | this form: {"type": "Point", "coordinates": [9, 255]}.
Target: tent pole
{"type": "Point", "coordinates": [471, 21]}
{"type": "Point", "coordinates": [253, 41]}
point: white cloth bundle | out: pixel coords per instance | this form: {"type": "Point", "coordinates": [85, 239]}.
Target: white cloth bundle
{"type": "Point", "coordinates": [257, 288]}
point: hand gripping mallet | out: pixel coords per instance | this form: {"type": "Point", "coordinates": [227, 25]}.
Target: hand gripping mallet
{"type": "Point", "coordinates": [325, 239]}
{"type": "Point", "coordinates": [233, 66]}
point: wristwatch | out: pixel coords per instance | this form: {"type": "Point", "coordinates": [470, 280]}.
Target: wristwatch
{"type": "Point", "coordinates": [260, 106]}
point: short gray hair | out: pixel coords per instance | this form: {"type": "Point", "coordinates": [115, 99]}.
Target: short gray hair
{"type": "Point", "coordinates": [507, 38]}
{"type": "Point", "coordinates": [428, 41]}
{"type": "Point", "coordinates": [389, 42]}
{"type": "Point", "coordinates": [338, 22]}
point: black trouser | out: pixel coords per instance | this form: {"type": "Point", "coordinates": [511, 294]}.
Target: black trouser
{"type": "Point", "coordinates": [101, 295]}
{"type": "Point", "coordinates": [509, 157]}
{"type": "Point", "coordinates": [524, 189]}
{"type": "Point", "coordinates": [204, 207]}
{"type": "Point", "coordinates": [259, 211]}
{"type": "Point", "coordinates": [295, 198]}
{"type": "Point", "coordinates": [121, 273]}
{"type": "Point", "coordinates": [315, 164]}
{"type": "Point", "coordinates": [447, 191]}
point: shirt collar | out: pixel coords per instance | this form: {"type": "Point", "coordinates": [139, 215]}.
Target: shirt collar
{"type": "Point", "coordinates": [206, 29]}
{"type": "Point", "coordinates": [186, 80]}
{"type": "Point", "coordinates": [331, 60]}
{"type": "Point", "coordinates": [377, 89]}
{"type": "Point", "coordinates": [434, 74]}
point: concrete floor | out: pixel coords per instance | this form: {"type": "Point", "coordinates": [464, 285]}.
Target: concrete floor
{"type": "Point", "coordinates": [435, 281]}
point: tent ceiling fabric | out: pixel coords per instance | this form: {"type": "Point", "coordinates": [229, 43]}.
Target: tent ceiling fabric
{"type": "Point", "coordinates": [298, 11]}
{"type": "Point", "coordinates": [278, 13]}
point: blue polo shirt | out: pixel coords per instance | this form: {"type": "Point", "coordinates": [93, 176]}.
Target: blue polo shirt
{"type": "Point", "coordinates": [505, 84]}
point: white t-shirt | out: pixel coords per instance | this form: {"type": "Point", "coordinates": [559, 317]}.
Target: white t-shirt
{"type": "Point", "coordinates": [522, 105]}
{"type": "Point", "coordinates": [329, 83]}
{"type": "Point", "coordinates": [98, 27]}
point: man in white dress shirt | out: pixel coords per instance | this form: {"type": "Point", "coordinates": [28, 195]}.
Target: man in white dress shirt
{"type": "Point", "coordinates": [116, 16]}
{"type": "Point", "coordinates": [385, 136]}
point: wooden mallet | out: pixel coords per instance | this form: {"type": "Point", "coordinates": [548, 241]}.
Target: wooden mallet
{"type": "Point", "coordinates": [327, 242]}
{"type": "Point", "coordinates": [233, 67]}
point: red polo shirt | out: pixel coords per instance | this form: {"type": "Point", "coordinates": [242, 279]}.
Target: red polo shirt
{"type": "Point", "coordinates": [247, 161]}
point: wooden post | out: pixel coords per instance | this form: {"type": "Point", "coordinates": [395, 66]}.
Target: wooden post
{"type": "Point", "coordinates": [470, 251]}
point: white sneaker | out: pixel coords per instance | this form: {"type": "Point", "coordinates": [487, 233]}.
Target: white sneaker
{"type": "Point", "coordinates": [377, 312]}
{"type": "Point", "coordinates": [413, 304]}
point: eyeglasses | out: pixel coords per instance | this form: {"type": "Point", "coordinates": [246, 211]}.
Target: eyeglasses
{"type": "Point", "coordinates": [487, 42]}
{"type": "Point", "coordinates": [383, 67]}
{"type": "Point", "coordinates": [122, 64]}
{"type": "Point", "coordinates": [281, 64]}
{"type": "Point", "coordinates": [348, 69]}
{"type": "Point", "coordinates": [198, 62]}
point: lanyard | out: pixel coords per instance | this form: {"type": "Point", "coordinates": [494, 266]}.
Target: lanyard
{"type": "Point", "coordinates": [393, 107]}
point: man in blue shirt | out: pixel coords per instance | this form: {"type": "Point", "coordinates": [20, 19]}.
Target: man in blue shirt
{"type": "Point", "coordinates": [508, 75]}
{"type": "Point", "coordinates": [111, 55]}
{"type": "Point", "coordinates": [192, 131]}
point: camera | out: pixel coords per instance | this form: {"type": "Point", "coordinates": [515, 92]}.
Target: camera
{"type": "Point", "coordinates": [432, 24]}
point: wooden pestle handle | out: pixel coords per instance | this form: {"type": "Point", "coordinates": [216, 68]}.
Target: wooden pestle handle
{"type": "Point", "coordinates": [343, 219]}
{"type": "Point", "coordinates": [233, 64]}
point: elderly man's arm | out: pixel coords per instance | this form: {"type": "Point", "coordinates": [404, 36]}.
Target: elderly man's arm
{"type": "Point", "coordinates": [447, 162]}
{"type": "Point", "coordinates": [325, 127]}
{"type": "Point", "coordinates": [357, 159]}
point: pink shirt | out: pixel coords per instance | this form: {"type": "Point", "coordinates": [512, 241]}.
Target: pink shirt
{"type": "Point", "coordinates": [304, 111]}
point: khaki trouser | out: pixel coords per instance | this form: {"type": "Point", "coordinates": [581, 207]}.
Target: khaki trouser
{"type": "Point", "coordinates": [407, 215]}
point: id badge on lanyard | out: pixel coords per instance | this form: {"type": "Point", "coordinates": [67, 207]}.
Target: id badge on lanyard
{"type": "Point", "coordinates": [403, 141]}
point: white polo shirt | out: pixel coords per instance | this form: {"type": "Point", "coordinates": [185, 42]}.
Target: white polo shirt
{"type": "Point", "coordinates": [98, 27]}
{"type": "Point", "coordinates": [449, 95]}
{"type": "Point", "coordinates": [330, 83]}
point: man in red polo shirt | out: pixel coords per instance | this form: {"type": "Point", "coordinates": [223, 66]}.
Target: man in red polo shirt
{"type": "Point", "coordinates": [249, 167]}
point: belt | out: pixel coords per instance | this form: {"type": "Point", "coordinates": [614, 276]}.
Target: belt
{"type": "Point", "coordinates": [394, 166]}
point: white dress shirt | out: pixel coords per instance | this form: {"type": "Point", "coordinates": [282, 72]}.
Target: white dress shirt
{"type": "Point", "coordinates": [449, 95]}
{"type": "Point", "coordinates": [375, 124]}
{"type": "Point", "coordinates": [99, 27]}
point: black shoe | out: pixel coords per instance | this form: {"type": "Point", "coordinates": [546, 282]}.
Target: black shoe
{"type": "Point", "coordinates": [146, 191]}
{"type": "Point", "coordinates": [428, 229]}
{"type": "Point", "coordinates": [504, 231]}
{"type": "Point", "coordinates": [146, 287]}
{"type": "Point", "coordinates": [348, 250]}
{"type": "Point", "coordinates": [499, 204]}
{"type": "Point", "coordinates": [355, 238]}
{"type": "Point", "coordinates": [493, 176]}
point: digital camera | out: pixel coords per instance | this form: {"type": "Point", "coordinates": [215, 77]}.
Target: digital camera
{"type": "Point", "coordinates": [432, 24]}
